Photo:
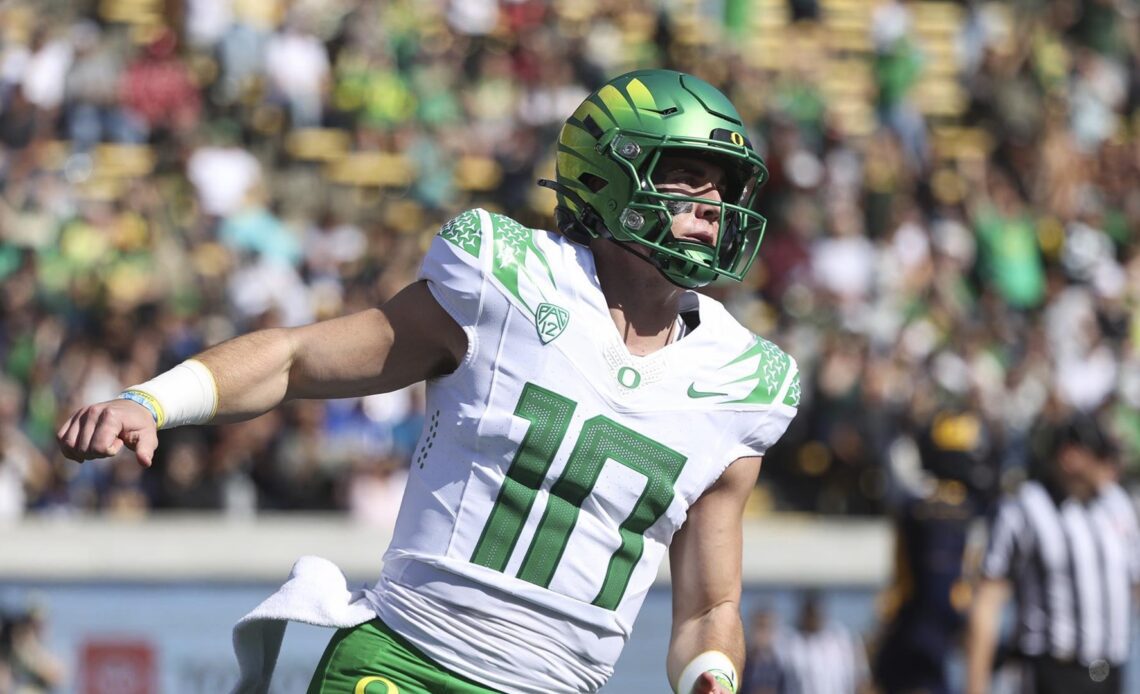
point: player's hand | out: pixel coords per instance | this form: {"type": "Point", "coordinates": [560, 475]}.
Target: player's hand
{"type": "Point", "coordinates": [100, 431]}
{"type": "Point", "coordinates": [707, 684]}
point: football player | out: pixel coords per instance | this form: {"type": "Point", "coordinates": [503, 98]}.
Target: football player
{"type": "Point", "coordinates": [587, 411]}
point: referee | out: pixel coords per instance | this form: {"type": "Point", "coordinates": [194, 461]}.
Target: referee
{"type": "Point", "coordinates": [1066, 546]}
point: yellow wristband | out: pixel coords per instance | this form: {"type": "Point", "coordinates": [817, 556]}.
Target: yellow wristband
{"type": "Point", "coordinates": [148, 401]}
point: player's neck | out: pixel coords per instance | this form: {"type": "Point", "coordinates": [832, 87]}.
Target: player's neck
{"type": "Point", "coordinates": [642, 303]}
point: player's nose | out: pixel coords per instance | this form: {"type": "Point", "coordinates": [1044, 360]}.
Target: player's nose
{"type": "Point", "coordinates": [710, 210]}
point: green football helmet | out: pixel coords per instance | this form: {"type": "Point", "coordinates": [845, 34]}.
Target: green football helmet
{"type": "Point", "coordinates": [608, 152]}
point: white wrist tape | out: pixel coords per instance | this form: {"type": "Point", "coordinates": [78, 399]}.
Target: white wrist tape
{"type": "Point", "coordinates": [187, 394]}
{"type": "Point", "coordinates": [713, 662]}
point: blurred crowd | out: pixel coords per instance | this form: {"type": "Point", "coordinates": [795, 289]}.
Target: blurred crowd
{"type": "Point", "coordinates": [949, 252]}
{"type": "Point", "coordinates": [812, 654]}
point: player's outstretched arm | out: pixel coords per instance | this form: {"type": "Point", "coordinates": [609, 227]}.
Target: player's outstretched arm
{"type": "Point", "coordinates": [707, 646]}
{"type": "Point", "coordinates": [409, 339]}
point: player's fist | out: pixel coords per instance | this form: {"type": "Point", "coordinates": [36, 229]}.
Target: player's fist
{"type": "Point", "coordinates": [707, 683]}
{"type": "Point", "coordinates": [99, 431]}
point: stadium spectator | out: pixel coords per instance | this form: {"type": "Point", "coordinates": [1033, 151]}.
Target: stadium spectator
{"type": "Point", "coordinates": [93, 112]}
{"type": "Point", "coordinates": [822, 656]}
{"type": "Point", "coordinates": [763, 668]}
{"type": "Point", "coordinates": [951, 480]}
{"type": "Point", "coordinates": [24, 469]}
{"type": "Point", "coordinates": [898, 66]}
{"type": "Point", "coordinates": [158, 89]}
{"type": "Point", "coordinates": [225, 175]}
{"type": "Point", "coordinates": [50, 55]}
{"type": "Point", "coordinates": [297, 67]}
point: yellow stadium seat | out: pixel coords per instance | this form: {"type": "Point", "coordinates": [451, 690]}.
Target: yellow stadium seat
{"type": "Point", "coordinates": [317, 144]}
{"type": "Point", "coordinates": [944, 98]}
{"type": "Point", "coordinates": [99, 188]}
{"type": "Point", "coordinates": [123, 161]}
{"type": "Point", "coordinates": [379, 169]}
{"type": "Point", "coordinates": [136, 12]}
{"type": "Point", "coordinates": [477, 174]}
{"type": "Point", "coordinates": [404, 216]}
{"type": "Point", "coordinates": [955, 142]}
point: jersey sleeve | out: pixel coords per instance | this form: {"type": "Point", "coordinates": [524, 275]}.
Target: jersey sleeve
{"type": "Point", "coordinates": [784, 390]}
{"type": "Point", "coordinates": [453, 267]}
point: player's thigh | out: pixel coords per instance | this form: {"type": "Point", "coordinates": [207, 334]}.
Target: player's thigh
{"type": "Point", "coordinates": [371, 659]}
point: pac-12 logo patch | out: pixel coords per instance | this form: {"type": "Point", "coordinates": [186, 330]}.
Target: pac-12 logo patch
{"type": "Point", "coordinates": [550, 320]}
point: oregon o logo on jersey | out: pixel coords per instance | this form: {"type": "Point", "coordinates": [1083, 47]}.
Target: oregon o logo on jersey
{"type": "Point", "coordinates": [628, 377]}
{"type": "Point", "coordinates": [550, 320]}
{"type": "Point", "coordinates": [362, 685]}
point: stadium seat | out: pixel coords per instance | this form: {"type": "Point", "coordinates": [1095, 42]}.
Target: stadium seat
{"type": "Point", "coordinates": [317, 144]}
{"type": "Point", "coordinates": [952, 142]}
{"type": "Point", "coordinates": [407, 216]}
{"type": "Point", "coordinates": [134, 12]}
{"type": "Point", "coordinates": [99, 188]}
{"type": "Point", "coordinates": [123, 161]}
{"type": "Point", "coordinates": [477, 174]}
{"type": "Point", "coordinates": [377, 169]}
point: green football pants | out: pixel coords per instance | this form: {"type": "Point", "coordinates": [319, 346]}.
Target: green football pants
{"type": "Point", "coordinates": [373, 659]}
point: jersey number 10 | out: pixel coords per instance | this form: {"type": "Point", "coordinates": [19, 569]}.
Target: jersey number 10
{"type": "Point", "coordinates": [600, 439]}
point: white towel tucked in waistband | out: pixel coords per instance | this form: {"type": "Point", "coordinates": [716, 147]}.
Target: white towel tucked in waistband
{"type": "Point", "coordinates": [316, 593]}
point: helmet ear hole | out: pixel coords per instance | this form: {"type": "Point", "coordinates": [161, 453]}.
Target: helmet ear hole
{"type": "Point", "coordinates": [592, 127]}
{"type": "Point", "coordinates": [594, 183]}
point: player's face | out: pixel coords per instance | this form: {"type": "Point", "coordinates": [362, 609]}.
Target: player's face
{"type": "Point", "coordinates": [698, 178]}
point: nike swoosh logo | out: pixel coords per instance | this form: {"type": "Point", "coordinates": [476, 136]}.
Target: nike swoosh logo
{"type": "Point", "coordinates": [694, 393]}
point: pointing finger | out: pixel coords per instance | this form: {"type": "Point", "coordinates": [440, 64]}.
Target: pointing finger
{"type": "Point", "coordinates": [144, 443]}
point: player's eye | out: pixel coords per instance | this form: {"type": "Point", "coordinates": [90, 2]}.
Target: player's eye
{"type": "Point", "coordinates": [677, 177]}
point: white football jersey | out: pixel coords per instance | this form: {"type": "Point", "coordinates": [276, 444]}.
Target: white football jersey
{"type": "Point", "coordinates": [554, 466]}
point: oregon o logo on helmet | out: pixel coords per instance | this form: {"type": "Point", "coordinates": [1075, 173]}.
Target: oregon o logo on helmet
{"type": "Point", "coordinates": [737, 139]}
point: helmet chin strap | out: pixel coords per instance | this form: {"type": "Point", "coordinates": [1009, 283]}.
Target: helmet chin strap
{"type": "Point", "coordinates": [567, 222]}
{"type": "Point", "coordinates": [651, 258]}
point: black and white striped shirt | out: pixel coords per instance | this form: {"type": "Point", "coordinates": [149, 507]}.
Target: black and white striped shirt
{"type": "Point", "coordinates": [1073, 565]}
{"type": "Point", "coordinates": [832, 660]}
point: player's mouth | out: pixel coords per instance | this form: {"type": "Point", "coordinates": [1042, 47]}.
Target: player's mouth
{"type": "Point", "coordinates": [702, 236]}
